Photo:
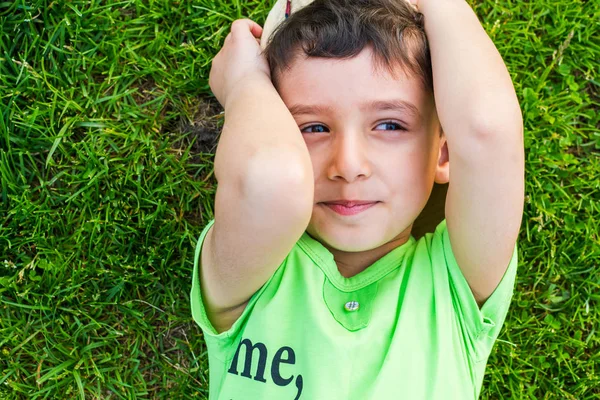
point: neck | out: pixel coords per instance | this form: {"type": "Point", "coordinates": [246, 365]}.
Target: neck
{"type": "Point", "coordinates": [352, 263]}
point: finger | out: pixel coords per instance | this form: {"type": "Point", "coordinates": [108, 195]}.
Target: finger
{"type": "Point", "coordinates": [247, 24]}
{"type": "Point", "coordinates": [256, 29]}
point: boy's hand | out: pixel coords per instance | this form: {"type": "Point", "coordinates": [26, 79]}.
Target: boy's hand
{"type": "Point", "coordinates": [239, 59]}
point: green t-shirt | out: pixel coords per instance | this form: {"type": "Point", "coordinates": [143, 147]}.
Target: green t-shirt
{"type": "Point", "coordinates": [417, 332]}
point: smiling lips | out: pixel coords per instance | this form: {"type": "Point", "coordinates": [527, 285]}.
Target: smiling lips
{"type": "Point", "coordinates": [350, 203]}
{"type": "Point", "coordinates": [349, 207]}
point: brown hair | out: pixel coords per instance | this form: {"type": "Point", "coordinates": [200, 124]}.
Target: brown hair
{"type": "Point", "coordinates": [342, 28]}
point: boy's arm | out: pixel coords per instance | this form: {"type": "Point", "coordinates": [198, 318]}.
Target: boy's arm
{"type": "Point", "coordinates": [266, 187]}
{"type": "Point", "coordinates": [480, 115]}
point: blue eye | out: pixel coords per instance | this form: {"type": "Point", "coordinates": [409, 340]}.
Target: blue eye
{"type": "Point", "coordinates": [318, 129]}
{"type": "Point", "coordinates": [322, 129]}
{"type": "Point", "coordinates": [392, 124]}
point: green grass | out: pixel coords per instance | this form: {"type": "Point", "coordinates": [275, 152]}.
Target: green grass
{"type": "Point", "coordinates": [107, 136]}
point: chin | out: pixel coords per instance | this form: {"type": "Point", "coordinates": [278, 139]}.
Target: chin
{"type": "Point", "coordinates": [345, 238]}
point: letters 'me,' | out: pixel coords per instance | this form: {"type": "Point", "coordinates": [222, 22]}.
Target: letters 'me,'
{"type": "Point", "coordinates": [285, 355]}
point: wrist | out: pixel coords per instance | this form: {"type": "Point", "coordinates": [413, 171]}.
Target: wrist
{"type": "Point", "coordinates": [250, 85]}
{"type": "Point", "coordinates": [423, 6]}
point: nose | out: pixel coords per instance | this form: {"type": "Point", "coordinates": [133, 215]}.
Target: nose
{"type": "Point", "coordinates": [349, 158]}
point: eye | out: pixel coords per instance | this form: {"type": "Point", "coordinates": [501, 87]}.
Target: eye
{"type": "Point", "coordinates": [391, 125]}
{"type": "Point", "coordinates": [315, 129]}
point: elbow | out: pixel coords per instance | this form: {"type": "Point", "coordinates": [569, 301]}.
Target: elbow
{"type": "Point", "coordinates": [503, 120]}
{"type": "Point", "coordinates": [275, 174]}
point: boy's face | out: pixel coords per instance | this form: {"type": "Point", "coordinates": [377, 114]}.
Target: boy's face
{"type": "Point", "coordinates": [364, 147]}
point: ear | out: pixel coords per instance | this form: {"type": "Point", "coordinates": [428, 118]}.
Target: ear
{"type": "Point", "coordinates": [442, 171]}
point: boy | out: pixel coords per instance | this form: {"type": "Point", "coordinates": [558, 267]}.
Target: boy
{"type": "Point", "coordinates": [308, 283]}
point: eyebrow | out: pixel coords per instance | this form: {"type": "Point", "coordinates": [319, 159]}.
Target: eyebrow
{"type": "Point", "coordinates": [377, 105]}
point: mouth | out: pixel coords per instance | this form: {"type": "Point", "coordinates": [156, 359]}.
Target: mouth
{"type": "Point", "coordinates": [349, 207]}
{"type": "Point", "coordinates": [351, 203]}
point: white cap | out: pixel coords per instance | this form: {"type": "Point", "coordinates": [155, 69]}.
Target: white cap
{"type": "Point", "coordinates": [277, 16]}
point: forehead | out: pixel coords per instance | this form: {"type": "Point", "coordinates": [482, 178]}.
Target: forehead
{"type": "Point", "coordinates": [357, 83]}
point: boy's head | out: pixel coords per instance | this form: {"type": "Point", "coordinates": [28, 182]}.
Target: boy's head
{"type": "Point", "coordinates": [341, 29]}
{"type": "Point", "coordinates": [356, 75]}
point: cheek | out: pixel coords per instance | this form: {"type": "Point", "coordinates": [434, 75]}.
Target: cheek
{"type": "Point", "coordinates": [407, 174]}
{"type": "Point", "coordinates": [423, 156]}
{"type": "Point", "coordinates": [411, 164]}
{"type": "Point", "coordinates": [319, 157]}
{"type": "Point", "coordinates": [317, 162]}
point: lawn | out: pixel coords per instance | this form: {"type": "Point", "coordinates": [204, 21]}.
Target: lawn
{"type": "Point", "coordinates": [107, 139]}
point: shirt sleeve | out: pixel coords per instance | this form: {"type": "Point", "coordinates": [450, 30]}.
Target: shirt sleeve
{"type": "Point", "coordinates": [224, 339]}
{"type": "Point", "coordinates": [482, 326]}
